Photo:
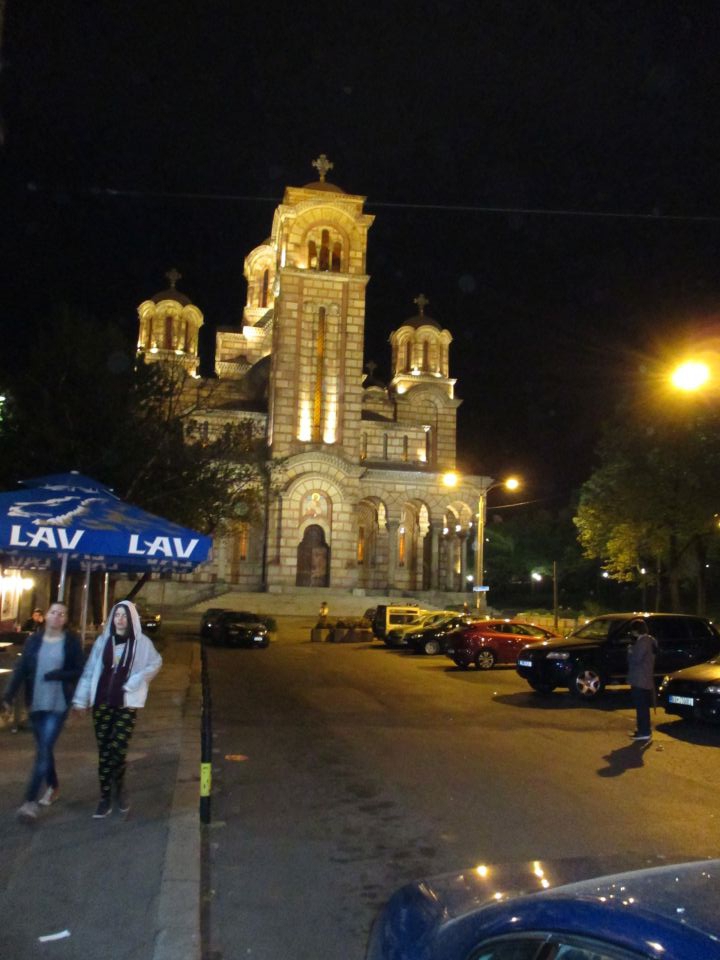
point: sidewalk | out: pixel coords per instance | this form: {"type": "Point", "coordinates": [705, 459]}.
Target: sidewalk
{"type": "Point", "coordinates": [124, 889]}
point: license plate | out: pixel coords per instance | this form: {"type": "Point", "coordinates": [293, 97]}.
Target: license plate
{"type": "Point", "coordinates": [450, 651]}
{"type": "Point", "coordinates": [524, 663]}
{"type": "Point", "coordinates": [683, 701]}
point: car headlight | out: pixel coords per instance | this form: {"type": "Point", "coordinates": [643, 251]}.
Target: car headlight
{"type": "Point", "coordinates": [713, 688]}
{"type": "Point", "coordinates": [558, 655]}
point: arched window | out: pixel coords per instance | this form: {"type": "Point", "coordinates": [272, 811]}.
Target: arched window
{"type": "Point", "coordinates": [243, 539]}
{"type": "Point", "coordinates": [363, 447]}
{"type": "Point", "coordinates": [319, 377]}
{"type": "Point", "coordinates": [408, 356]}
{"type": "Point", "coordinates": [168, 344]}
{"type": "Point", "coordinates": [426, 356]}
{"type": "Point", "coordinates": [385, 446]}
{"type": "Point", "coordinates": [401, 546]}
{"type": "Point", "coordinates": [405, 449]}
{"type": "Point", "coordinates": [336, 257]}
{"type": "Point", "coordinates": [312, 255]}
{"type": "Point", "coordinates": [361, 545]}
{"type": "Point", "coordinates": [324, 260]}
{"type": "Point", "coordinates": [264, 290]}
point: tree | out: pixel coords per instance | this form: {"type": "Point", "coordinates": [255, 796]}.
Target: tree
{"type": "Point", "coordinates": [84, 402]}
{"type": "Point", "coordinates": [652, 501]}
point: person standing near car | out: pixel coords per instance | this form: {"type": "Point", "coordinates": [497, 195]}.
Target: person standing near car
{"type": "Point", "coordinates": [51, 662]}
{"type": "Point", "coordinates": [641, 677]}
{"type": "Point", "coordinates": [115, 684]}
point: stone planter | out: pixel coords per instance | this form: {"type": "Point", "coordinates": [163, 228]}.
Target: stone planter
{"type": "Point", "coordinates": [320, 634]}
{"type": "Point", "coordinates": [340, 635]}
{"type": "Point", "coordinates": [360, 635]}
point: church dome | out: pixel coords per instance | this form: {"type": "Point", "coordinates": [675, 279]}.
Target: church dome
{"type": "Point", "coordinates": [422, 319]}
{"type": "Point", "coordinates": [172, 293]}
{"type": "Point", "coordinates": [324, 186]}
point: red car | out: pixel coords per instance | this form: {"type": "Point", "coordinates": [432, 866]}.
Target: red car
{"type": "Point", "coordinates": [487, 642]}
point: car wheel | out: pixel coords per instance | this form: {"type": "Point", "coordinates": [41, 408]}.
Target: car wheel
{"type": "Point", "coordinates": [485, 659]}
{"type": "Point", "coordinates": [462, 664]}
{"type": "Point", "coordinates": [542, 687]}
{"type": "Point", "coordinates": [586, 683]}
{"type": "Point", "coordinates": [431, 647]}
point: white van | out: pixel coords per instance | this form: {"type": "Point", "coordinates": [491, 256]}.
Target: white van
{"type": "Point", "coordinates": [387, 616]}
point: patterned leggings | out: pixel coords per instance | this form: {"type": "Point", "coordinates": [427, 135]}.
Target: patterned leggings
{"type": "Point", "coordinates": [113, 729]}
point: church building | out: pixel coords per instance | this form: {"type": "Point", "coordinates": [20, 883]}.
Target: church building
{"type": "Point", "coordinates": [366, 496]}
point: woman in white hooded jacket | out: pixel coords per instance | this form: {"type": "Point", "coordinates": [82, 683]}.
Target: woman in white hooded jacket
{"type": "Point", "coordinates": [115, 683]}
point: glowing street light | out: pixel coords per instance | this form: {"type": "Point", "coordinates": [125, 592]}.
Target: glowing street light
{"type": "Point", "coordinates": [690, 376]}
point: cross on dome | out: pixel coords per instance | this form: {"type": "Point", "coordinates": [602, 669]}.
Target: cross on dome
{"type": "Point", "coordinates": [422, 301]}
{"type": "Point", "coordinates": [322, 165]}
{"type": "Point", "coordinates": [173, 276]}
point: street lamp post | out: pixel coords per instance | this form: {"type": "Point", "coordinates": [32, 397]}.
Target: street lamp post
{"type": "Point", "coordinates": [480, 589]}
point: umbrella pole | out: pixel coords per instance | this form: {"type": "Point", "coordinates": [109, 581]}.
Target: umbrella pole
{"type": "Point", "coordinates": [61, 582]}
{"type": "Point", "coordinates": [86, 597]}
{"type": "Point", "coordinates": [106, 593]}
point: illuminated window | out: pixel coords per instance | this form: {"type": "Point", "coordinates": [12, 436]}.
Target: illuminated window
{"type": "Point", "coordinates": [242, 541]}
{"type": "Point", "coordinates": [337, 257]}
{"type": "Point", "coordinates": [324, 258]}
{"type": "Point", "coordinates": [401, 546]}
{"type": "Point", "coordinates": [361, 545]}
{"type": "Point", "coordinates": [319, 377]}
{"type": "Point", "coordinates": [312, 255]}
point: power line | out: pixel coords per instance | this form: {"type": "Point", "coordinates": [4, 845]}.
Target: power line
{"type": "Point", "coordinates": [387, 204]}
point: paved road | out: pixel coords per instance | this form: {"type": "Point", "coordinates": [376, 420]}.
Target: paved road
{"type": "Point", "coordinates": [343, 770]}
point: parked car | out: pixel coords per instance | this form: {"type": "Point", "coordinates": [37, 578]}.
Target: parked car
{"type": "Point", "coordinates": [595, 654]}
{"type": "Point", "coordinates": [149, 620]}
{"type": "Point", "coordinates": [239, 628]}
{"type": "Point", "coordinates": [432, 640]}
{"type": "Point", "coordinates": [486, 913]}
{"type": "Point", "coordinates": [487, 642]}
{"type": "Point", "coordinates": [693, 693]}
{"type": "Point", "coordinates": [208, 619]}
{"type": "Point", "coordinates": [388, 616]}
{"type": "Point", "coordinates": [397, 637]}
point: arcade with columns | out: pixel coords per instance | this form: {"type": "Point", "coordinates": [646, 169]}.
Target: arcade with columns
{"type": "Point", "coordinates": [361, 500]}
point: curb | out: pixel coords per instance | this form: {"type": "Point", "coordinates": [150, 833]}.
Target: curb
{"type": "Point", "coordinates": [178, 912]}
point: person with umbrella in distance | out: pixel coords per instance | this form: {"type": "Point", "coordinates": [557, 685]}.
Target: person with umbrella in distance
{"type": "Point", "coordinates": [51, 662]}
{"type": "Point", "coordinates": [115, 684]}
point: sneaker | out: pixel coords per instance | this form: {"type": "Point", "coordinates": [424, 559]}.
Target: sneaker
{"type": "Point", "coordinates": [104, 809]}
{"type": "Point", "coordinates": [644, 737]}
{"type": "Point", "coordinates": [633, 734]}
{"type": "Point", "coordinates": [28, 812]}
{"type": "Point", "coordinates": [49, 797]}
{"type": "Point", "coordinates": [123, 801]}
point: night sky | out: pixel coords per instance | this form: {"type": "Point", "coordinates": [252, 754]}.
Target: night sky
{"type": "Point", "coordinates": [545, 172]}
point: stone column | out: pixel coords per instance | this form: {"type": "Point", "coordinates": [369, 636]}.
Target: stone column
{"type": "Point", "coordinates": [392, 531]}
{"type": "Point", "coordinates": [434, 555]}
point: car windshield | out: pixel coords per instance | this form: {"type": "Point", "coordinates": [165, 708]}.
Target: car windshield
{"type": "Point", "coordinates": [242, 617]}
{"type": "Point", "coordinates": [598, 629]}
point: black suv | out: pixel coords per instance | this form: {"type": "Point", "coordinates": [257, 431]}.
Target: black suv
{"type": "Point", "coordinates": [595, 654]}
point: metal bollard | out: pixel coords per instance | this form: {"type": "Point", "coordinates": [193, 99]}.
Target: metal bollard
{"type": "Point", "coordinates": [205, 741]}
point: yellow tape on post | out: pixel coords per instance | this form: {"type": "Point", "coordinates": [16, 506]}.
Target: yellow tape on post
{"type": "Point", "coordinates": [205, 779]}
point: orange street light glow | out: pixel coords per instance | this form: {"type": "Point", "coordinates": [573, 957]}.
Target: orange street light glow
{"type": "Point", "coordinates": [691, 375]}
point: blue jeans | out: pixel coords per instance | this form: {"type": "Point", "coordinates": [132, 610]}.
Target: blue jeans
{"type": "Point", "coordinates": [46, 726]}
{"type": "Point", "coordinates": [642, 700]}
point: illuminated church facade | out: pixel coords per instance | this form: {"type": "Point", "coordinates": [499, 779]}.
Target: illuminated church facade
{"type": "Point", "coordinates": [361, 499]}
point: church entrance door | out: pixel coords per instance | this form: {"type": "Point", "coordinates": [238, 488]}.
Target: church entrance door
{"type": "Point", "coordinates": [313, 559]}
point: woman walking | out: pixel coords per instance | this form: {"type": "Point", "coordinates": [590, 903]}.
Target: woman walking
{"type": "Point", "coordinates": [115, 683]}
{"type": "Point", "coordinates": [49, 667]}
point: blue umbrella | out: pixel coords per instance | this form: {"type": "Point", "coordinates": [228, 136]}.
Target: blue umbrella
{"type": "Point", "coordinates": [74, 517]}
{"type": "Point", "coordinates": [69, 521]}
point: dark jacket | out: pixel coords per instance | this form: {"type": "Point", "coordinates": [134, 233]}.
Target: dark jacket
{"type": "Point", "coordinates": [641, 662]}
{"type": "Point", "coordinates": [26, 666]}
